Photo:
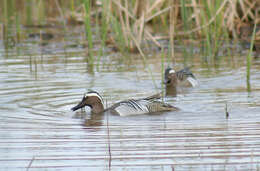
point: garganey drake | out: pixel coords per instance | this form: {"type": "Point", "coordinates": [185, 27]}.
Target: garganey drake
{"type": "Point", "coordinates": [174, 79]}
{"type": "Point", "coordinates": [147, 105]}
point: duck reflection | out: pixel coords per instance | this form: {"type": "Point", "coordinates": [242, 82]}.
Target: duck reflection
{"type": "Point", "coordinates": [95, 120]}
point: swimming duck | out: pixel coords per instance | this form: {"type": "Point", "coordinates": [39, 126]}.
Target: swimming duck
{"type": "Point", "coordinates": [173, 78]}
{"type": "Point", "coordinates": [147, 105]}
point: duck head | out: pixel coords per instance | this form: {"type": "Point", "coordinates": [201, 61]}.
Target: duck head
{"type": "Point", "coordinates": [170, 81]}
{"type": "Point", "coordinates": [93, 100]}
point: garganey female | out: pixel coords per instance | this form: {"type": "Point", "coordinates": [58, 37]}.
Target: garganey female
{"type": "Point", "coordinates": [182, 78]}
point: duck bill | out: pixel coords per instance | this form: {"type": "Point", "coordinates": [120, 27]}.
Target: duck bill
{"type": "Point", "coordinates": [166, 81]}
{"type": "Point", "coordinates": [80, 105]}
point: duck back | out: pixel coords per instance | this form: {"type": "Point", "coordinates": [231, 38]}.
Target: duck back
{"type": "Point", "coordinates": [141, 106]}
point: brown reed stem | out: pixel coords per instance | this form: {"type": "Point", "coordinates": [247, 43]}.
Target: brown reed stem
{"type": "Point", "coordinates": [108, 141]}
{"type": "Point", "coordinates": [30, 164]}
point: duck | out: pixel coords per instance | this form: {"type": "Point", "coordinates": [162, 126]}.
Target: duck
{"type": "Point", "coordinates": [181, 78]}
{"type": "Point", "coordinates": [128, 107]}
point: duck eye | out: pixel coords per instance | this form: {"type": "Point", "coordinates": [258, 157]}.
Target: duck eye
{"type": "Point", "coordinates": [85, 97]}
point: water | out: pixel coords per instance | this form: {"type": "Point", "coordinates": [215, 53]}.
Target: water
{"type": "Point", "coordinates": [40, 83]}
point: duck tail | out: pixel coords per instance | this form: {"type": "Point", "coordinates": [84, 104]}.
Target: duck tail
{"type": "Point", "coordinates": [193, 81]}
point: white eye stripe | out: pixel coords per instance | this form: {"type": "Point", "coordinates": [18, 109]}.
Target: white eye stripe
{"type": "Point", "coordinates": [171, 71]}
{"type": "Point", "coordinates": [95, 95]}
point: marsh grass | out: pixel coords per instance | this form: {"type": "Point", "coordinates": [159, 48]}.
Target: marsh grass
{"type": "Point", "coordinates": [72, 6]}
{"type": "Point", "coordinates": [30, 164]}
{"type": "Point", "coordinates": [41, 12]}
{"type": "Point", "coordinates": [118, 35]}
{"type": "Point", "coordinates": [104, 27]}
{"type": "Point", "coordinates": [35, 68]}
{"type": "Point", "coordinates": [108, 142]}
{"type": "Point", "coordinates": [213, 31]}
{"type": "Point", "coordinates": [171, 33]}
{"type": "Point", "coordinates": [249, 59]}
{"type": "Point", "coordinates": [18, 27]}
{"type": "Point", "coordinates": [130, 25]}
{"type": "Point", "coordinates": [28, 12]}
{"type": "Point", "coordinates": [226, 111]}
{"type": "Point", "coordinates": [162, 72]}
{"type": "Point", "coordinates": [5, 19]}
{"type": "Point", "coordinates": [88, 31]}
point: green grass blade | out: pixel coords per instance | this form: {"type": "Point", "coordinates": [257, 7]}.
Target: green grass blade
{"type": "Point", "coordinates": [87, 5]}
{"type": "Point", "coordinates": [249, 59]}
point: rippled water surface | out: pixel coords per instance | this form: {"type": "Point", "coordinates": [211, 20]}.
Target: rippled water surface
{"type": "Point", "coordinates": [40, 83]}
